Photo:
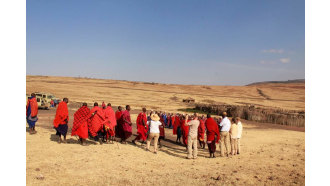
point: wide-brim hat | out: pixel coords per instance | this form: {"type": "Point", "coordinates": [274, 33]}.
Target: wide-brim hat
{"type": "Point", "coordinates": [154, 117]}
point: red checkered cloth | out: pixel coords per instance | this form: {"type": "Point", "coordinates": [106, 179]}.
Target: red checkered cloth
{"type": "Point", "coordinates": [80, 118]}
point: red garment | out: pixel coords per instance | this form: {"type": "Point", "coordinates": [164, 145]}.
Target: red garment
{"type": "Point", "coordinates": [212, 130]}
{"type": "Point", "coordinates": [142, 129]}
{"type": "Point", "coordinates": [162, 128]}
{"type": "Point", "coordinates": [185, 131]}
{"type": "Point", "coordinates": [32, 102]}
{"type": "Point", "coordinates": [80, 127]}
{"type": "Point", "coordinates": [103, 105]}
{"type": "Point", "coordinates": [126, 124]}
{"type": "Point", "coordinates": [110, 118]}
{"type": "Point", "coordinates": [118, 114]}
{"type": "Point", "coordinates": [95, 122]}
{"type": "Point", "coordinates": [201, 130]}
{"type": "Point", "coordinates": [176, 124]}
{"type": "Point", "coordinates": [62, 114]}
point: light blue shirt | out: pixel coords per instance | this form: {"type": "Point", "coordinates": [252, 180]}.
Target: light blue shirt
{"type": "Point", "coordinates": [225, 124]}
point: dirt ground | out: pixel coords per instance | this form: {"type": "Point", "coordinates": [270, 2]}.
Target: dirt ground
{"type": "Point", "coordinates": [271, 155]}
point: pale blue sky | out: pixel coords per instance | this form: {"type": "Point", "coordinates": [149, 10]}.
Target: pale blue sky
{"type": "Point", "coordinates": [186, 42]}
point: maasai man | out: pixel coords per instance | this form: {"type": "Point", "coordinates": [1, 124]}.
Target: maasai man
{"type": "Point", "coordinates": [103, 105]}
{"type": "Point", "coordinates": [212, 131]}
{"type": "Point", "coordinates": [126, 124]}
{"type": "Point", "coordinates": [161, 130]}
{"type": "Point", "coordinates": [201, 132]}
{"type": "Point", "coordinates": [142, 127]}
{"type": "Point", "coordinates": [110, 123]}
{"type": "Point", "coordinates": [176, 123]}
{"type": "Point", "coordinates": [61, 120]}
{"type": "Point", "coordinates": [80, 127]}
{"type": "Point", "coordinates": [185, 130]}
{"type": "Point", "coordinates": [31, 113]}
{"type": "Point", "coordinates": [95, 123]}
{"type": "Point", "coordinates": [118, 128]}
{"type": "Point", "coordinates": [164, 116]}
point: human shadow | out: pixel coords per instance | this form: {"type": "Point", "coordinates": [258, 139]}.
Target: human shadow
{"type": "Point", "coordinates": [54, 138]}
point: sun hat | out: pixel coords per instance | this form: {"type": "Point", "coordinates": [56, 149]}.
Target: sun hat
{"type": "Point", "coordinates": [154, 117]}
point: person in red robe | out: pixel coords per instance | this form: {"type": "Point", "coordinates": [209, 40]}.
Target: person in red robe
{"type": "Point", "coordinates": [142, 127]}
{"type": "Point", "coordinates": [185, 130]}
{"type": "Point", "coordinates": [31, 113]}
{"type": "Point", "coordinates": [80, 127]}
{"type": "Point", "coordinates": [201, 132]}
{"type": "Point", "coordinates": [126, 125]}
{"type": "Point", "coordinates": [161, 130]}
{"type": "Point", "coordinates": [177, 123]}
{"type": "Point", "coordinates": [213, 134]}
{"type": "Point", "coordinates": [110, 122]}
{"type": "Point", "coordinates": [118, 128]}
{"type": "Point", "coordinates": [61, 120]}
{"type": "Point", "coordinates": [95, 123]}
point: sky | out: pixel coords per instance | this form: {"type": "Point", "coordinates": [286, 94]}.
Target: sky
{"type": "Point", "coordinates": [224, 42]}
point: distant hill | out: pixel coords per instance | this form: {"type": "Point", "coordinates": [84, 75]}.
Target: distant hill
{"type": "Point", "coordinates": [289, 81]}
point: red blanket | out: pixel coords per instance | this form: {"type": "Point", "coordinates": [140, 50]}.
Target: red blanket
{"type": "Point", "coordinates": [118, 114]}
{"type": "Point", "coordinates": [62, 114]}
{"type": "Point", "coordinates": [32, 102]}
{"type": "Point", "coordinates": [185, 132]}
{"type": "Point", "coordinates": [201, 130]}
{"type": "Point", "coordinates": [95, 120]}
{"type": "Point", "coordinates": [162, 127]}
{"type": "Point", "coordinates": [110, 120]}
{"type": "Point", "coordinates": [80, 127]}
{"type": "Point", "coordinates": [142, 129]}
{"type": "Point", "coordinates": [212, 130]}
{"type": "Point", "coordinates": [176, 124]}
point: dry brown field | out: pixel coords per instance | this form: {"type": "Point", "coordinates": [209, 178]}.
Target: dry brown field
{"type": "Point", "coordinates": [271, 154]}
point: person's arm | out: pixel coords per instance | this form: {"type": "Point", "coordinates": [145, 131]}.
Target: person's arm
{"type": "Point", "coordinates": [186, 121]}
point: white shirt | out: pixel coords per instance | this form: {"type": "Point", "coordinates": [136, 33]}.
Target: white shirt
{"type": "Point", "coordinates": [154, 126]}
{"type": "Point", "coordinates": [225, 124]}
{"type": "Point", "coordinates": [240, 129]}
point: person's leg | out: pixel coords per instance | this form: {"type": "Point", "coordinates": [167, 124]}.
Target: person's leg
{"type": "Point", "coordinates": [232, 146]}
{"type": "Point", "coordinates": [214, 147]}
{"type": "Point", "coordinates": [155, 142]}
{"type": "Point", "coordinates": [235, 146]}
{"type": "Point", "coordinates": [238, 145]}
{"type": "Point", "coordinates": [189, 147]}
{"type": "Point", "coordinates": [150, 136]}
{"type": "Point", "coordinates": [159, 139]}
{"type": "Point", "coordinates": [227, 142]}
{"type": "Point", "coordinates": [195, 147]}
{"type": "Point", "coordinates": [222, 139]}
{"type": "Point", "coordinates": [209, 146]}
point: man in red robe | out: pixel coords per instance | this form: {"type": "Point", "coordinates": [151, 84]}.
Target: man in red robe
{"type": "Point", "coordinates": [126, 125]}
{"type": "Point", "coordinates": [61, 120]}
{"type": "Point", "coordinates": [80, 127]}
{"type": "Point", "coordinates": [118, 128]}
{"type": "Point", "coordinates": [110, 122]}
{"type": "Point", "coordinates": [31, 113]}
{"type": "Point", "coordinates": [142, 127]}
{"type": "Point", "coordinates": [201, 132]}
{"type": "Point", "coordinates": [177, 123]}
{"type": "Point", "coordinates": [185, 130]}
{"type": "Point", "coordinates": [161, 130]}
{"type": "Point", "coordinates": [95, 123]}
{"type": "Point", "coordinates": [212, 131]}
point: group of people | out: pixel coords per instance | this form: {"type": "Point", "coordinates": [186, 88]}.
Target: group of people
{"type": "Point", "coordinates": [103, 124]}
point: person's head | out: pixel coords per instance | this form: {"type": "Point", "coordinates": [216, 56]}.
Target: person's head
{"type": "Point", "coordinates": [96, 104]}
{"type": "Point", "coordinates": [33, 95]}
{"type": "Point", "coordinates": [84, 104]}
{"type": "Point", "coordinates": [238, 119]}
{"type": "Point", "coordinates": [154, 117]}
{"type": "Point", "coordinates": [128, 107]}
{"type": "Point", "coordinates": [144, 110]}
{"type": "Point", "coordinates": [66, 100]}
{"type": "Point", "coordinates": [224, 114]}
{"type": "Point", "coordinates": [208, 115]}
{"type": "Point", "coordinates": [120, 108]}
{"type": "Point", "coordinates": [195, 116]}
{"type": "Point", "coordinates": [233, 120]}
{"type": "Point", "coordinates": [109, 105]}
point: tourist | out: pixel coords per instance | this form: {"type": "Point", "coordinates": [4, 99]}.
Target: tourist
{"type": "Point", "coordinates": [239, 134]}
{"type": "Point", "coordinates": [61, 120]}
{"type": "Point", "coordinates": [154, 124]}
{"type": "Point", "coordinates": [192, 136]}
{"type": "Point", "coordinates": [80, 127]}
{"type": "Point", "coordinates": [233, 136]}
{"type": "Point", "coordinates": [224, 134]}
{"type": "Point", "coordinates": [31, 113]}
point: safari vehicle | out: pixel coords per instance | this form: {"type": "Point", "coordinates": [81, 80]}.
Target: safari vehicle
{"type": "Point", "coordinates": [48, 97]}
{"type": "Point", "coordinates": [42, 103]}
